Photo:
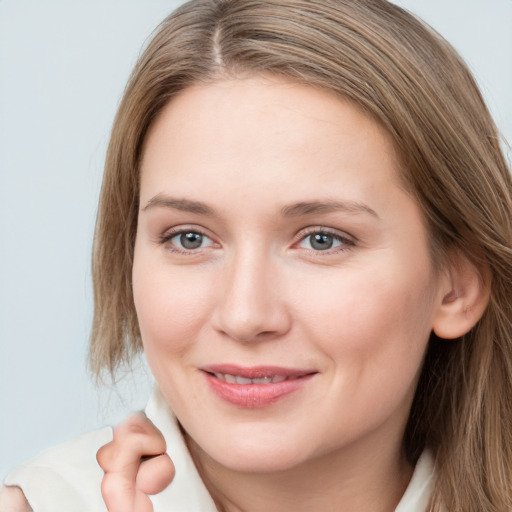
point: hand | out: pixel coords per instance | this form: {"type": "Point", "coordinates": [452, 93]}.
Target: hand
{"type": "Point", "coordinates": [135, 465]}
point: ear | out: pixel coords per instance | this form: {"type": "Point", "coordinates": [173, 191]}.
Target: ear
{"type": "Point", "coordinates": [465, 296]}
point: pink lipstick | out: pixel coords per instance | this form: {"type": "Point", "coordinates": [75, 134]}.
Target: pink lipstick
{"type": "Point", "coordinates": [254, 387]}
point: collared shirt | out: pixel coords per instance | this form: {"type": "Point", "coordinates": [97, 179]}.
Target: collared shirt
{"type": "Point", "coordinates": [67, 477]}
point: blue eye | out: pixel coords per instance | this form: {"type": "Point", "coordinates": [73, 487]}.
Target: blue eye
{"type": "Point", "coordinates": [190, 240]}
{"type": "Point", "coordinates": [324, 241]}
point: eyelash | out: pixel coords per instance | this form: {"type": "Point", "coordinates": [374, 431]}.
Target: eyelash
{"type": "Point", "coordinates": [346, 242]}
{"type": "Point", "coordinates": [169, 235]}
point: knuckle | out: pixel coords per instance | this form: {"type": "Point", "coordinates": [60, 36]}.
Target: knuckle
{"type": "Point", "coordinates": [103, 455]}
{"type": "Point", "coordinates": [135, 428]}
{"type": "Point", "coordinates": [134, 425]}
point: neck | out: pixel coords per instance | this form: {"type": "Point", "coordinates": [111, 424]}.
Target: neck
{"type": "Point", "coordinates": [356, 481]}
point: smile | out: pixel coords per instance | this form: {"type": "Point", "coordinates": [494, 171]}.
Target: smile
{"type": "Point", "coordinates": [238, 379]}
{"type": "Point", "coordinates": [254, 387]}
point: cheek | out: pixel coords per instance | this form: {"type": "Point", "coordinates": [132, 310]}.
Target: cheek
{"type": "Point", "coordinates": [374, 333]}
{"type": "Point", "coordinates": [369, 321]}
{"type": "Point", "coordinates": [170, 308]}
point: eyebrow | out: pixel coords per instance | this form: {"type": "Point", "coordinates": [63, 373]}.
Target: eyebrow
{"type": "Point", "coordinates": [293, 210]}
{"type": "Point", "coordinates": [184, 205]}
{"type": "Point", "coordinates": [314, 207]}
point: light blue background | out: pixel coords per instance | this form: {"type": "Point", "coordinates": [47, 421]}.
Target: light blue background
{"type": "Point", "coordinates": [63, 66]}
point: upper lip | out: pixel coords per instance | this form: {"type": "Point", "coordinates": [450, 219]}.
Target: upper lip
{"type": "Point", "coordinates": [257, 372]}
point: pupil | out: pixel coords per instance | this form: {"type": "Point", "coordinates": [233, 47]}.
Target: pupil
{"type": "Point", "coordinates": [321, 242]}
{"type": "Point", "coordinates": [191, 240]}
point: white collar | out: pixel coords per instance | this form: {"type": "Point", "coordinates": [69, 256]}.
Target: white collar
{"type": "Point", "coordinates": [419, 490]}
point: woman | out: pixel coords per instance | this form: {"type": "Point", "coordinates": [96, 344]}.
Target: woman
{"type": "Point", "coordinates": [305, 223]}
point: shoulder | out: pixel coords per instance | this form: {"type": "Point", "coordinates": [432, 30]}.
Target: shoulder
{"type": "Point", "coordinates": [65, 477]}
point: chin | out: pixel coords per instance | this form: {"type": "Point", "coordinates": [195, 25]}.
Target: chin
{"type": "Point", "coordinates": [252, 455]}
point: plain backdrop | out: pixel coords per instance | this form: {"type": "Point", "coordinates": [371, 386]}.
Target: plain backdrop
{"type": "Point", "coordinates": [63, 66]}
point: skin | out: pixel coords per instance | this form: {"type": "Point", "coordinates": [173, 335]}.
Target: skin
{"type": "Point", "coordinates": [129, 478]}
{"type": "Point", "coordinates": [12, 499]}
{"type": "Point", "coordinates": [257, 292]}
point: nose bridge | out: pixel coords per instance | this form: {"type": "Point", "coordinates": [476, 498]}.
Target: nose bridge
{"type": "Point", "coordinates": [252, 306]}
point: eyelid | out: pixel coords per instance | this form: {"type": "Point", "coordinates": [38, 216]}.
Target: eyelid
{"type": "Point", "coordinates": [170, 233]}
{"type": "Point", "coordinates": [348, 241]}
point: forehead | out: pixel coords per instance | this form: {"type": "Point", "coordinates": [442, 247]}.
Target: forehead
{"type": "Point", "coordinates": [268, 128]}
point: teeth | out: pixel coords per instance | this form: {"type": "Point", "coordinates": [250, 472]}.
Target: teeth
{"type": "Point", "coordinates": [237, 379]}
{"type": "Point", "coordinates": [243, 380]}
{"type": "Point", "coordinates": [264, 380]}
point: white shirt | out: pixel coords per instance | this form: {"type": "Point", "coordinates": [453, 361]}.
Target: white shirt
{"type": "Point", "coordinates": [67, 477]}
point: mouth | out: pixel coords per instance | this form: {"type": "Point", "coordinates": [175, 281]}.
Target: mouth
{"type": "Point", "coordinates": [238, 379]}
{"type": "Point", "coordinates": [254, 387]}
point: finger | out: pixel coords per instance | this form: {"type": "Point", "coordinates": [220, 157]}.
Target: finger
{"type": "Point", "coordinates": [138, 436]}
{"type": "Point", "coordinates": [155, 474]}
{"type": "Point", "coordinates": [121, 496]}
{"type": "Point", "coordinates": [120, 460]}
{"type": "Point", "coordinates": [116, 458]}
{"type": "Point", "coordinates": [133, 439]}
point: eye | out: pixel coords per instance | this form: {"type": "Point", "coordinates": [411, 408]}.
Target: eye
{"type": "Point", "coordinates": [320, 240]}
{"type": "Point", "coordinates": [188, 240]}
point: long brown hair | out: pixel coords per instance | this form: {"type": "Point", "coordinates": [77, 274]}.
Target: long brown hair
{"type": "Point", "coordinates": [414, 84]}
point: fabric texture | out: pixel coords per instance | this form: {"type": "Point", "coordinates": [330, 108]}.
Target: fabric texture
{"type": "Point", "coordinates": [67, 477]}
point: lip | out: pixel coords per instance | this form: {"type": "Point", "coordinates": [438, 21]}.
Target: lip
{"type": "Point", "coordinates": [255, 395]}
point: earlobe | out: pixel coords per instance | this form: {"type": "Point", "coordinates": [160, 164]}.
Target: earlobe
{"type": "Point", "coordinates": [464, 299]}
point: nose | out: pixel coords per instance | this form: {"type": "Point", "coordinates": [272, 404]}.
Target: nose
{"type": "Point", "coordinates": [251, 304]}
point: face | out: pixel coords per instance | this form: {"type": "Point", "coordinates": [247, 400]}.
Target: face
{"type": "Point", "coordinates": [282, 277]}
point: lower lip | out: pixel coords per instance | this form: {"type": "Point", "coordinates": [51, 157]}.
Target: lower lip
{"type": "Point", "coordinates": [254, 396]}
